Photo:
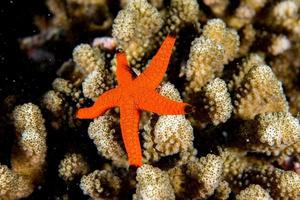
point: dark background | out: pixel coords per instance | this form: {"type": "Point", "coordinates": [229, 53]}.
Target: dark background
{"type": "Point", "coordinates": [27, 80]}
{"type": "Point", "coordinates": [19, 75]}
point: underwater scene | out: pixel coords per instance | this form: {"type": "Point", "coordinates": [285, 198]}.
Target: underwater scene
{"type": "Point", "coordinates": [150, 100]}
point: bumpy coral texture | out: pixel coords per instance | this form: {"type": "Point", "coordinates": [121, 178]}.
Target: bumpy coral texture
{"type": "Point", "coordinates": [254, 192]}
{"type": "Point", "coordinates": [245, 12]}
{"type": "Point", "coordinates": [247, 63]}
{"type": "Point", "coordinates": [181, 13]}
{"type": "Point", "coordinates": [102, 133]}
{"type": "Point", "coordinates": [13, 186]}
{"type": "Point", "coordinates": [28, 157]}
{"type": "Point", "coordinates": [59, 100]}
{"type": "Point", "coordinates": [271, 132]}
{"type": "Point", "coordinates": [97, 79]}
{"type": "Point", "coordinates": [223, 191]}
{"type": "Point", "coordinates": [286, 15]}
{"type": "Point", "coordinates": [169, 134]}
{"type": "Point", "coordinates": [237, 62]}
{"type": "Point", "coordinates": [260, 92]}
{"type": "Point", "coordinates": [172, 134]}
{"type": "Point", "coordinates": [207, 174]}
{"type": "Point", "coordinates": [153, 184]}
{"type": "Point", "coordinates": [218, 7]}
{"type": "Point", "coordinates": [285, 184]}
{"type": "Point", "coordinates": [31, 132]}
{"type": "Point", "coordinates": [52, 101]}
{"type": "Point", "coordinates": [101, 185]}
{"type": "Point", "coordinates": [71, 166]}
{"type": "Point", "coordinates": [134, 29]}
{"type": "Point", "coordinates": [209, 53]}
{"type": "Point", "coordinates": [217, 101]}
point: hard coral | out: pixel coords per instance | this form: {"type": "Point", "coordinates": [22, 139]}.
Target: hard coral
{"type": "Point", "coordinates": [217, 101]}
{"type": "Point", "coordinates": [285, 184]}
{"type": "Point", "coordinates": [13, 186]}
{"type": "Point", "coordinates": [271, 132]}
{"type": "Point", "coordinates": [180, 14]}
{"type": "Point", "coordinates": [101, 132]}
{"type": "Point", "coordinates": [72, 165]}
{"type": "Point", "coordinates": [102, 185]}
{"type": "Point", "coordinates": [240, 69]}
{"type": "Point", "coordinates": [96, 76]}
{"type": "Point", "coordinates": [206, 173]}
{"type": "Point", "coordinates": [245, 12]}
{"type": "Point", "coordinates": [209, 53]}
{"type": "Point", "coordinates": [28, 157]}
{"type": "Point", "coordinates": [254, 192]}
{"type": "Point", "coordinates": [135, 27]}
{"type": "Point", "coordinates": [260, 92]}
{"type": "Point", "coordinates": [153, 184]}
{"type": "Point", "coordinates": [172, 134]}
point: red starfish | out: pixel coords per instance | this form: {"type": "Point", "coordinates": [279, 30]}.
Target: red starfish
{"type": "Point", "coordinates": [135, 94]}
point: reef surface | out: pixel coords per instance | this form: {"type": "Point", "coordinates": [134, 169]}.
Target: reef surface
{"type": "Point", "coordinates": [237, 62]}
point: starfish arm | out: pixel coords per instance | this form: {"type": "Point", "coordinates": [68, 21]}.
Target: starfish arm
{"type": "Point", "coordinates": [154, 73]}
{"type": "Point", "coordinates": [129, 119]}
{"type": "Point", "coordinates": [154, 102]}
{"type": "Point", "coordinates": [124, 74]}
{"type": "Point", "coordinates": [104, 102]}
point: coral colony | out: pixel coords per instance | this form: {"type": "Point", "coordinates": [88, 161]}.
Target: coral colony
{"type": "Point", "coordinates": [237, 64]}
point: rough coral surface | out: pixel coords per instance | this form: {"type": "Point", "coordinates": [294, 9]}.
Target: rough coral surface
{"type": "Point", "coordinates": [208, 54]}
{"type": "Point", "coordinates": [30, 153]}
{"type": "Point", "coordinates": [28, 156]}
{"type": "Point", "coordinates": [260, 92]}
{"type": "Point", "coordinates": [13, 186]}
{"type": "Point", "coordinates": [236, 62]}
{"type": "Point", "coordinates": [134, 29]}
{"type": "Point", "coordinates": [207, 174]}
{"type": "Point", "coordinates": [217, 101]}
{"type": "Point", "coordinates": [102, 134]}
{"type": "Point", "coordinates": [101, 185]}
{"type": "Point", "coordinates": [96, 76]}
{"type": "Point", "coordinates": [253, 192]}
{"type": "Point", "coordinates": [72, 165]}
{"type": "Point", "coordinates": [153, 184]}
{"type": "Point", "coordinates": [172, 134]}
{"type": "Point", "coordinates": [271, 132]}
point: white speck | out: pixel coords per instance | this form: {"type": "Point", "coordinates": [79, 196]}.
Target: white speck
{"type": "Point", "coordinates": [224, 133]}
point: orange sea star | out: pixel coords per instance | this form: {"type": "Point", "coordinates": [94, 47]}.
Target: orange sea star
{"type": "Point", "coordinates": [135, 94]}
